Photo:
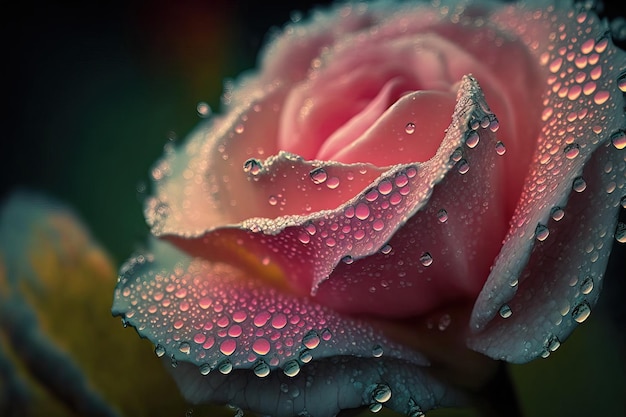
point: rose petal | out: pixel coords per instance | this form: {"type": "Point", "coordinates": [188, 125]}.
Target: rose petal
{"type": "Point", "coordinates": [212, 320]}
{"type": "Point", "coordinates": [549, 298]}
{"type": "Point", "coordinates": [301, 252]}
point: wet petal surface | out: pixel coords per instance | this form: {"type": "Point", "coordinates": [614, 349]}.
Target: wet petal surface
{"type": "Point", "coordinates": [568, 208]}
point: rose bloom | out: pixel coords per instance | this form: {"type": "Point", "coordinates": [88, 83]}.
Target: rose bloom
{"type": "Point", "coordinates": [399, 193]}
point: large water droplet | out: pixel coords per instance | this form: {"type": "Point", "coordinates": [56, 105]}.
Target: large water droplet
{"type": "Point", "coordinates": [305, 356]}
{"type": "Point", "coordinates": [318, 175]}
{"type": "Point", "coordinates": [376, 407]}
{"type": "Point", "coordinates": [586, 286]}
{"type": "Point", "coordinates": [184, 348]}
{"type": "Point", "coordinates": [426, 259]}
{"type": "Point", "coordinates": [261, 346]}
{"type": "Point", "coordinates": [463, 166]}
{"type": "Point", "coordinates": [541, 232]}
{"type": "Point", "coordinates": [552, 343]}
{"type": "Point", "coordinates": [500, 148]}
{"type": "Point", "coordinates": [442, 216]}
{"type": "Point", "coordinates": [261, 369]}
{"type": "Point", "coordinates": [505, 311]}
{"type": "Point", "coordinates": [409, 128]}
{"type": "Point", "coordinates": [252, 166]}
{"type": "Point", "coordinates": [225, 367]}
{"type": "Point", "coordinates": [472, 139]}
{"type": "Point", "coordinates": [557, 213]}
{"type": "Point", "coordinates": [205, 369]}
{"type": "Point", "coordinates": [362, 211]}
{"type": "Point", "coordinates": [203, 109]}
{"type": "Point", "coordinates": [159, 350]}
{"type": "Point", "coordinates": [291, 368]}
{"type": "Point", "coordinates": [572, 150]}
{"type": "Point", "coordinates": [377, 351]}
{"type": "Point", "coordinates": [618, 139]}
{"type": "Point", "coordinates": [581, 312]}
{"type": "Point", "coordinates": [382, 393]}
{"type": "Point", "coordinates": [621, 83]}
{"type": "Point", "coordinates": [311, 340]}
{"type": "Point", "coordinates": [579, 185]}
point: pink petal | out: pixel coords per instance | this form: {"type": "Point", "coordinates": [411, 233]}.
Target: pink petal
{"type": "Point", "coordinates": [546, 285]}
{"type": "Point", "coordinates": [305, 250]}
{"type": "Point", "coordinates": [227, 333]}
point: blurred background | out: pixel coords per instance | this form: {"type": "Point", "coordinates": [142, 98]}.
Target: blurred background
{"type": "Point", "coordinates": [93, 91]}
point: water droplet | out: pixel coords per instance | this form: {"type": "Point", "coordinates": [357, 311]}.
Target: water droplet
{"type": "Point", "coordinates": [272, 200]}
{"type": "Point", "coordinates": [621, 83]}
{"type": "Point", "coordinates": [311, 340]}
{"type": "Point", "coordinates": [572, 150]}
{"type": "Point", "coordinates": [409, 128]}
{"type": "Point", "coordinates": [252, 166]}
{"type": "Point", "coordinates": [500, 148]}
{"type": "Point", "coordinates": [386, 249]}
{"type": "Point", "coordinates": [622, 202]}
{"type": "Point", "coordinates": [228, 347]}
{"type": "Point", "coordinates": [463, 166]}
{"type": "Point", "coordinates": [362, 211]}
{"type": "Point", "coordinates": [505, 311]}
{"type": "Point", "coordinates": [173, 362]}
{"type": "Point", "coordinates": [159, 351]}
{"type": "Point", "coordinates": [377, 351]}
{"type": "Point", "coordinates": [426, 259]}
{"type": "Point", "coordinates": [279, 321]}
{"type": "Point", "coordinates": [618, 139]}
{"type": "Point", "coordinates": [444, 322]}
{"type": "Point", "coordinates": [291, 368]}
{"type": "Point", "coordinates": [552, 343]}
{"type": "Point", "coordinates": [601, 97]}
{"type": "Point", "coordinates": [376, 407]}
{"type": "Point", "coordinates": [557, 213]}
{"type": "Point", "coordinates": [385, 187]}
{"type": "Point", "coordinates": [205, 369]}
{"type": "Point", "coordinates": [378, 225]}
{"type": "Point", "coordinates": [184, 348]}
{"type": "Point", "coordinates": [203, 109]}
{"type": "Point", "coordinates": [326, 335]}
{"type": "Point", "coordinates": [261, 346]}
{"type": "Point", "coordinates": [261, 369]}
{"type": "Point", "coordinates": [541, 232]}
{"type": "Point", "coordinates": [305, 356]}
{"type": "Point", "coordinates": [472, 139]}
{"type": "Point", "coordinates": [382, 393]}
{"type": "Point", "coordinates": [225, 367]}
{"type": "Point", "coordinates": [579, 184]}
{"type": "Point", "coordinates": [620, 232]}
{"type": "Point", "coordinates": [333, 182]}
{"type": "Point", "coordinates": [318, 175]}
{"type": "Point", "coordinates": [581, 312]}
{"type": "Point", "coordinates": [587, 285]}
{"type": "Point", "coordinates": [442, 216]}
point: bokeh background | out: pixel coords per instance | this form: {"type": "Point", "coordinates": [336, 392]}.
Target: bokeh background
{"type": "Point", "coordinates": [92, 92]}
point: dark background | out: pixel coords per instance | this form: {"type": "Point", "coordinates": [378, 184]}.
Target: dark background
{"type": "Point", "coordinates": [92, 92]}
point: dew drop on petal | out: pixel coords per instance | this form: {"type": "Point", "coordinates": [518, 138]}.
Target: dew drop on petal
{"type": "Point", "coordinates": [557, 213]}
{"type": "Point", "coordinates": [581, 312]}
{"type": "Point", "coordinates": [305, 356]}
{"type": "Point", "coordinates": [586, 286]}
{"type": "Point", "coordinates": [444, 322]}
{"type": "Point", "coordinates": [272, 200]}
{"type": "Point", "coordinates": [572, 150]}
{"type": "Point", "coordinates": [203, 109]}
{"type": "Point", "coordinates": [442, 216]}
{"type": "Point", "coordinates": [579, 185]}
{"type": "Point", "coordinates": [347, 259]}
{"type": "Point", "coordinates": [463, 166]}
{"type": "Point", "coordinates": [382, 393]}
{"type": "Point", "coordinates": [472, 139]}
{"type": "Point", "coordinates": [184, 348]}
{"type": "Point", "coordinates": [205, 369]}
{"type": "Point", "coordinates": [261, 369]}
{"type": "Point", "coordinates": [311, 340]}
{"type": "Point", "coordinates": [505, 311]}
{"type": "Point", "coordinates": [620, 232]}
{"type": "Point", "coordinates": [279, 321]}
{"type": "Point", "coordinates": [291, 368]}
{"type": "Point", "coordinates": [362, 211]}
{"type": "Point", "coordinates": [252, 166]}
{"type": "Point", "coordinates": [225, 367]}
{"type": "Point", "coordinates": [500, 148]}
{"type": "Point", "coordinates": [228, 347]}
{"type": "Point", "coordinates": [426, 259]}
{"type": "Point", "coordinates": [318, 175]}
{"type": "Point", "coordinates": [621, 83]}
{"type": "Point", "coordinates": [552, 343]}
{"type": "Point", "coordinates": [377, 351]}
{"type": "Point", "coordinates": [159, 350]}
{"type": "Point", "coordinates": [376, 407]}
{"type": "Point", "coordinates": [618, 139]}
{"type": "Point", "coordinates": [541, 232]}
{"type": "Point", "coordinates": [409, 128]}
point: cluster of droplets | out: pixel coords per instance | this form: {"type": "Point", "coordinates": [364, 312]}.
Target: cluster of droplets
{"type": "Point", "coordinates": [208, 317]}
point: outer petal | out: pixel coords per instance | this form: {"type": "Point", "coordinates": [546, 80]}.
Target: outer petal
{"type": "Point", "coordinates": [545, 285]}
{"type": "Point", "coordinates": [231, 335]}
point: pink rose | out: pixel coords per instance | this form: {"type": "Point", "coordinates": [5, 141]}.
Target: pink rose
{"type": "Point", "coordinates": [395, 184]}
